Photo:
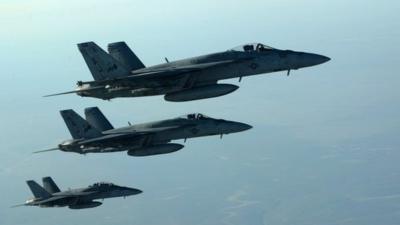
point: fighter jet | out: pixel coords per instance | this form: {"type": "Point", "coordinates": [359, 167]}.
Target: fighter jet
{"type": "Point", "coordinates": [50, 195]}
{"type": "Point", "coordinates": [120, 73]}
{"type": "Point", "coordinates": [96, 134]}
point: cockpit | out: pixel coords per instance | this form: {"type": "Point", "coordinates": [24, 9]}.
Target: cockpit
{"type": "Point", "coordinates": [195, 116]}
{"type": "Point", "coordinates": [252, 47]}
{"type": "Point", "coordinates": [102, 184]}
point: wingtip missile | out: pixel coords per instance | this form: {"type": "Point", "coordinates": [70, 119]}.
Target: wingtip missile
{"type": "Point", "coordinates": [19, 205]}
{"type": "Point", "coordinates": [77, 91]}
{"type": "Point", "coordinates": [46, 150]}
{"type": "Point", "coordinates": [63, 93]}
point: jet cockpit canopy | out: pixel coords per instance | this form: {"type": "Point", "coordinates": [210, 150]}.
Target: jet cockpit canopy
{"type": "Point", "coordinates": [195, 116]}
{"type": "Point", "coordinates": [102, 184]}
{"type": "Point", "coordinates": [251, 47]}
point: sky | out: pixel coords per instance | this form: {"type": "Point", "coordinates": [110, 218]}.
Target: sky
{"type": "Point", "coordinates": [324, 148]}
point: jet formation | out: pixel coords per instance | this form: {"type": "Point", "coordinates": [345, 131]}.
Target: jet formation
{"type": "Point", "coordinates": [97, 135]}
{"type": "Point", "coordinates": [120, 73]}
{"type": "Point", "coordinates": [81, 198]}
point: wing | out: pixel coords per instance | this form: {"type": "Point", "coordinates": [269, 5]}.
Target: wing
{"type": "Point", "coordinates": [122, 138]}
{"type": "Point", "coordinates": [180, 77]}
{"type": "Point", "coordinates": [73, 197]}
{"type": "Point", "coordinates": [56, 199]}
{"type": "Point", "coordinates": [146, 130]}
{"type": "Point", "coordinates": [168, 76]}
{"type": "Point", "coordinates": [111, 140]}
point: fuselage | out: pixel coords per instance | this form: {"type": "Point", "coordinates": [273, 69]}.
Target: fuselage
{"type": "Point", "coordinates": [158, 132]}
{"type": "Point", "coordinates": [242, 63]}
{"type": "Point", "coordinates": [245, 63]}
{"type": "Point", "coordinates": [84, 196]}
{"type": "Point", "coordinates": [186, 128]}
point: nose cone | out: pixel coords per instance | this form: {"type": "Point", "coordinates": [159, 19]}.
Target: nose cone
{"type": "Point", "coordinates": [132, 191]}
{"type": "Point", "coordinates": [319, 59]}
{"type": "Point", "coordinates": [233, 127]}
{"type": "Point", "coordinates": [311, 59]}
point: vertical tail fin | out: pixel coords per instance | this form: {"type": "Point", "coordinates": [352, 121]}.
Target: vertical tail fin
{"type": "Point", "coordinates": [121, 52]}
{"type": "Point", "coordinates": [102, 65]}
{"type": "Point", "coordinates": [49, 185]}
{"type": "Point", "coordinates": [37, 190]}
{"type": "Point", "coordinates": [97, 119]}
{"type": "Point", "coordinates": [77, 126]}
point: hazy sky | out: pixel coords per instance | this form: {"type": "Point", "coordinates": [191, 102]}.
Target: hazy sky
{"type": "Point", "coordinates": [324, 148]}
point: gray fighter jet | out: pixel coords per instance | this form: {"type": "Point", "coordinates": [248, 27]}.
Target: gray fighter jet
{"type": "Point", "coordinates": [96, 134]}
{"type": "Point", "coordinates": [120, 73]}
{"type": "Point", "coordinates": [50, 195]}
